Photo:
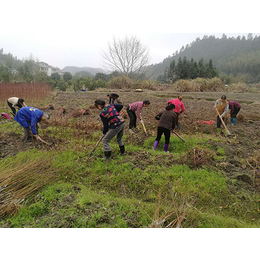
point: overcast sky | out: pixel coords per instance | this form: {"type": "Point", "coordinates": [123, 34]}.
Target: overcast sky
{"type": "Point", "coordinates": [75, 33]}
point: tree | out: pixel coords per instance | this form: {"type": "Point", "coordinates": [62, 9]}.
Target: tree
{"type": "Point", "coordinates": [67, 76]}
{"type": "Point", "coordinates": [55, 76]}
{"type": "Point", "coordinates": [127, 56]}
{"type": "Point", "coordinates": [102, 76]}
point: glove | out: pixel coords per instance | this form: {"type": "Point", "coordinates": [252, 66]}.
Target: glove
{"type": "Point", "coordinates": [141, 121]}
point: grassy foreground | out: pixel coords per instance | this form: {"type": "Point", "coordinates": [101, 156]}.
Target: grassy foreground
{"type": "Point", "coordinates": [143, 188]}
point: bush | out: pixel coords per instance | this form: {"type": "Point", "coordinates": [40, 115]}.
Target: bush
{"type": "Point", "coordinates": [199, 85]}
{"type": "Point", "coordinates": [121, 82]}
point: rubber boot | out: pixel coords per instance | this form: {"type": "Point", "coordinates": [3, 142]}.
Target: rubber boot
{"type": "Point", "coordinates": [122, 149]}
{"type": "Point", "coordinates": [107, 155]}
{"type": "Point", "coordinates": [219, 130]}
{"type": "Point", "coordinates": [166, 146]}
{"type": "Point", "coordinates": [155, 145]}
{"type": "Point", "coordinates": [27, 135]}
{"type": "Point", "coordinates": [233, 121]}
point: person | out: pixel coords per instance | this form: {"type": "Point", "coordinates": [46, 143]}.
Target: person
{"type": "Point", "coordinates": [28, 118]}
{"type": "Point", "coordinates": [222, 106]}
{"type": "Point", "coordinates": [179, 108]}
{"type": "Point", "coordinates": [234, 107]}
{"type": "Point", "coordinates": [131, 108]}
{"type": "Point", "coordinates": [113, 125]}
{"type": "Point", "coordinates": [114, 99]}
{"type": "Point", "coordinates": [15, 101]}
{"type": "Point", "coordinates": [167, 122]}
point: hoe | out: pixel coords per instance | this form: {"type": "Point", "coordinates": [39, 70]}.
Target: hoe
{"type": "Point", "coordinates": [228, 133]}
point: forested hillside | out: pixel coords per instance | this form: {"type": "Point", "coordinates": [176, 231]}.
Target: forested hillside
{"type": "Point", "coordinates": [238, 58]}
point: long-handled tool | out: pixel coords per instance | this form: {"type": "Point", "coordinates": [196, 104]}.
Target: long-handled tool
{"type": "Point", "coordinates": [98, 142]}
{"type": "Point", "coordinates": [144, 128]}
{"type": "Point", "coordinates": [228, 133]}
{"type": "Point", "coordinates": [178, 136]}
{"type": "Point", "coordinates": [39, 138]}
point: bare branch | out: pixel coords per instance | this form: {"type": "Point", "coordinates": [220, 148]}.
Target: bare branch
{"type": "Point", "coordinates": [127, 56]}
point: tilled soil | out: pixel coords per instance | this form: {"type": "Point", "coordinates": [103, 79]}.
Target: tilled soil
{"type": "Point", "coordinates": [241, 148]}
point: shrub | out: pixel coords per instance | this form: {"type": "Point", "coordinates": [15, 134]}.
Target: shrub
{"type": "Point", "coordinates": [199, 85]}
{"type": "Point", "coordinates": [121, 82]}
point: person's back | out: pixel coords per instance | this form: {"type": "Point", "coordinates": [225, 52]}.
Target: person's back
{"type": "Point", "coordinates": [179, 107]}
{"type": "Point", "coordinates": [167, 119]}
{"type": "Point", "coordinates": [28, 114]}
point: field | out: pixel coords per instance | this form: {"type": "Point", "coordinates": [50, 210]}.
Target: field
{"type": "Point", "coordinates": [209, 181]}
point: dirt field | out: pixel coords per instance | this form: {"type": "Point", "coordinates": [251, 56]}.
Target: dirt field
{"type": "Point", "coordinates": [242, 147]}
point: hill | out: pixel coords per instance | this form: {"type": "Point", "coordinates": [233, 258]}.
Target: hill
{"type": "Point", "coordinates": [237, 57]}
{"type": "Point", "coordinates": [73, 70]}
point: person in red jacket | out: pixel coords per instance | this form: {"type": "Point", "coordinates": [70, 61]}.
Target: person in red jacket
{"type": "Point", "coordinates": [179, 108]}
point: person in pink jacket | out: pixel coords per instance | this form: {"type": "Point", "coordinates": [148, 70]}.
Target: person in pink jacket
{"type": "Point", "coordinates": [179, 108]}
{"type": "Point", "coordinates": [135, 107]}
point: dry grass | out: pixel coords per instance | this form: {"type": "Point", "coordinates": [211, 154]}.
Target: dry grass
{"type": "Point", "coordinates": [18, 183]}
{"type": "Point", "coordinates": [173, 217]}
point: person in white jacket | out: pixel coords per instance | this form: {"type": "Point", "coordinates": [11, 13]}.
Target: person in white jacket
{"type": "Point", "coordinates": [15, 101]}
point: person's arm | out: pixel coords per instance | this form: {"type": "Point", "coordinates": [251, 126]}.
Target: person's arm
{"type": "Point", "coordinates": [105, 124]}
{"type": "Point", "coordinates": [138, 112]}
{"type": "Point", "coordinates": [182, 108]}
{"type": "Point", "coordinates": [33, 125]}
{"type": "Point", "coordinates": [173, 122]}
{"type": "Point", "coordinates": [118, 107]}
{"type": "Point", "coordinates": [158, 116]}
{"type": "Point", "coordinates": [225, 111]}
{"type": "Point", "coordinates": [216, 103]}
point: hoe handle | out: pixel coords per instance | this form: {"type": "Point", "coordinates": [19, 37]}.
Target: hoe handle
{"type": "Point", "coordinates": [178, 136]}
{"type": "Point", "coordinates": [98, 142]}
{"type": "Point", "coordinates": [223, 122]}
{"type": "Point", "coordinates": [144, 128]}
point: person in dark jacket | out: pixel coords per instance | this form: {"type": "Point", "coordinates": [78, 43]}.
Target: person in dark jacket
{"type": "Point", "coordinates": [28, 118]}
{"type": "Point", "coordinates": [15, 102]}
{"type": "Point", "coordinates": [113, 125]}
{"type": "Point", "coordinates": [114, 99]}
{"type": "Point", "coordinates": [234, 107]}
{"type": "Point", "coordinates": [167, 122]}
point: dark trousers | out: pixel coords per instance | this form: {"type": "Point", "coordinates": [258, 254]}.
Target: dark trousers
{"type": "Point", "coordinates": [28, 133]}
{"type": "Point", "coordinates": [177, 119]}
{"type": "Point", "coordinates": [12, 108]}
{"type": "Point", "coordinates": [235, 112]}
{"type": "Point", "coordinates": [166, 132]}
{"type": "Point", "coordinates": [219, 121]}
{"type": "Point", "coordinates": [132, 117]}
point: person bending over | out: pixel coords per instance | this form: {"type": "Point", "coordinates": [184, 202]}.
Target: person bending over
{"type": "Point", "coordinates": [113, 125]}
{"type": "Point", "coordinates": [167, 122]}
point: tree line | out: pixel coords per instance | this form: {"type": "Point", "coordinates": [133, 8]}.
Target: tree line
{"type": "Point", "coordinates": [189, 69]}
{"type": "Point", "coordinates": [236, 59]}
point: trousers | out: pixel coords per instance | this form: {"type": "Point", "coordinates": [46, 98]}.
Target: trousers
{"type": "Point", "coordinates": [118, 132]}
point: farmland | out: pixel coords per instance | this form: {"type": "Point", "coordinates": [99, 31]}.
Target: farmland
{"type": "Point", "coordinates": [208, 181]}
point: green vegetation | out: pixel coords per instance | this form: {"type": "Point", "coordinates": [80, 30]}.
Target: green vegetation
{"type": "Point", "coordinates": [140, 189]}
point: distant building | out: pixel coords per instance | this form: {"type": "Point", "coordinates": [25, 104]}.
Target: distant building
{"type": "Point", "coordinates": [45, 67]}
{"type": "Point", "coordinates": [13, 71]}
{"type": "Point", "coordinates": [61, 73]}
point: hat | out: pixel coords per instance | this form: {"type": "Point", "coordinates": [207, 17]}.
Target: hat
{"type": "Point", "coordinates": [46, 115]}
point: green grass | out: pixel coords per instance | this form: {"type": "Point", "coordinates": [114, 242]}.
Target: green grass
{"type": "Point", "coordinates": [125, 191]}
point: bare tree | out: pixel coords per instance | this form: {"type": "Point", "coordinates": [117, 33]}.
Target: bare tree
{"type": "Point", "coordinates": [128, 56]}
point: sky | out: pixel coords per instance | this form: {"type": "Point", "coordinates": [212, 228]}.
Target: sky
{"type": "Point", "coordinates": [76, 33]}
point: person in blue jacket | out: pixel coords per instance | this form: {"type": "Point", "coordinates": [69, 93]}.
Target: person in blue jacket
{"type": "Point", "coordinates": [113, 125]}
{"type": "Point", "coordinates": [28, 118]}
